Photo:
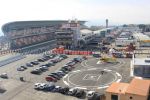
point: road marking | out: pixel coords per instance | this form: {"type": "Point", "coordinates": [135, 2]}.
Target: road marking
{"type": "Point", "coordinates": [81, 88]}
{"type": "Point", "coordinates": [118, 74]}
{"type": "Point", "coordinates": [66, 83]}
{"type": "Point", "coordinates": [99, 62]}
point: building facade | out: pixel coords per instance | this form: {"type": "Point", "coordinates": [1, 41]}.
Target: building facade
{"type": "Point", "coordinates": [137, 89]}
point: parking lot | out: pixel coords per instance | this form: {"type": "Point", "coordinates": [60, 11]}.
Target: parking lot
{"type": "Point", "coordinates": [88, 75]}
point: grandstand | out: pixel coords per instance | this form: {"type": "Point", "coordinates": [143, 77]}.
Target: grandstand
{"type": "Point", "coordinates": [26, 33]}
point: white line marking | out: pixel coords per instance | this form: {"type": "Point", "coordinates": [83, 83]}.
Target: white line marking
{"type": "Point", "coordinates": [99, 62]}
{"type": "Point", "coordinates": [66, 83]}
{"type": "Point", "coordinates": [65, 76]}
{"type": "Point", "coordinates": [118, 74]}
{"type": "Point", "coordinates": [118, 80]}
{"type": "Point", "coordinates": [81, 88]}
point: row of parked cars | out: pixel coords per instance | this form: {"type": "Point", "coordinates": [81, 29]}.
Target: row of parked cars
{"type": "Point", "coordinates": [55, 76]}
{"type": "Point", "coordinates": [76, 92]}
{"type": "Point", "coordinates": [53, 60]}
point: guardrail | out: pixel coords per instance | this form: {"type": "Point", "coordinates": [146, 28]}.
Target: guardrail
{"type": "Point", "coordinates": [11, 59]}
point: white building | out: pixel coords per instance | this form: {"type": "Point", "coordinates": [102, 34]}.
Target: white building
{"type": "Point", "coordinates": [142, 40]}
{"type": "Point", "coordinates": [140, 66]}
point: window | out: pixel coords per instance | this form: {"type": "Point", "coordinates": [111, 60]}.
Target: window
{"type": "Point", "coordinates": [131, 97]}
{"type": "Point", "coordinates": [114, 97]}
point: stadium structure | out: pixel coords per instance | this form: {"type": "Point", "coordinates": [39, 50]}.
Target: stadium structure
{"type": "Point", "coordinates": [27, 33]}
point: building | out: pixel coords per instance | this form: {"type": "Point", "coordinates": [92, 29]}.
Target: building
{"type": "Point", "coordinates": [26, 33]}
{"type": "Point", "coordinates": [73, 35]}
{"type": "Point", "coordinates": [124, 39]}
{"type": "Point", "coordinates": [142, 39]}
{"type": "Point", "coordinates": [106, 23]}
{"type": "Point", "coordinates": [140, 63]}
{"type": "Point", "coordinates": [137, 89]}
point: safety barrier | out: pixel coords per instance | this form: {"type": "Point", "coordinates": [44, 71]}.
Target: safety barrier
{"type": "Point", "coordinates": [72, 52]}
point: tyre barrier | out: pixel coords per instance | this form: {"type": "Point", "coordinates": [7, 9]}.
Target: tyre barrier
{"type": "Point", "coordinates": [71, 52]}
{"type": "Point", "coordinates": [11, 59]}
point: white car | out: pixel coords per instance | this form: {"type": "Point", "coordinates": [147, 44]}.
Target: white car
{"type": "Point", "coordinates": [4, 75]}
{"type": "Point", "coordinates": [40, 86]}
{"type": "Point", "coordinates": [90, 94]}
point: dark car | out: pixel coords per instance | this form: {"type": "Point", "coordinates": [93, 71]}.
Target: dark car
{"type": "Point", "coordinates": [63, 56]}
{"type": "Point", "coordinates": [57, 89]}
{"type": "Point", "coordinates": [61, 73]}
{"type": "Point", "coordinates": [40, 60]}
{"type": "Point", "coordinates": [50, 64]}
{"type": "Point", "coordinates": [29, 65]}
{"type": "Point", "coordinates": [80, 93]}
{"type": "Point", "coordinates": [34, 62]}
{"type": "Point", "coordinates": [35, 71]}
{"type": "Point", "coordinates": [64, 90]}
{"type": "Point", "coordinates": [49, 87]}
{"type": "Point", "coordinates": [66, 68]}
{"type": "Point", "coordinates": [57, 74]}
{"type": "Point", "coordinates": [71, 63]}
{"type": "Point", "coordinates": [50, 79]}
{"type": "Point", "coordinates": [64, 71]}
{"type": "Point", "coordinates": [54, 76]}
{"type": "Point", "coordinates": [23, 67]}
{"type": "Point", "coordinates": [96, 55]}
{"type": "Point", "coordinates": [43, 68]}
{"type": "Point", "coordinates": [77, 59]}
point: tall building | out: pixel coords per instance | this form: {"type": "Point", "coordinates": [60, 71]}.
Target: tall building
{"type": "Point", "coordinates": [69, 34]}
{"type": "Point", "coordinates": [106, 23]}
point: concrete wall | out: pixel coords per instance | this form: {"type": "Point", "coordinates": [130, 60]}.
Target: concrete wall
{"type": "Point", "coordinates": [125, 96]}
{"type": "Point", "coordinates": [135, 97]}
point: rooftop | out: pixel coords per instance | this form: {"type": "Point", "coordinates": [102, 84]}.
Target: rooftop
{"type": "Point", "coordinates": [139, 87]}
{"type": "Point", "coordinates": [118, 88]}
{"type": "Point", "coordinates": [141, 61]}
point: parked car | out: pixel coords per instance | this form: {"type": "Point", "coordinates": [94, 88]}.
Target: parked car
{"type": "Point", "coordinates": [34, 62]}
{"type": "Point", "coordinates": [20, 69]}
{"type": "Point", "coordinates": [72, 91]}
{"type": "Point", "coordinates": [40, 60]}
{"type": "Point", "coordinates": [96, 55]}
{"type": "Point", "coordinates": [60, 76]}
{"type": "Point", "coordinates": [64, 70]}
{"type": "Point", "coordinates": [49, 87]}
{"type": "Point", "coordinates": [78, 59]}
{"type": "Point", "coordinates": [50, 79]}
{"type": "Point", "coordinates": [29, 65]}
{"type": "Point", "coordinates": [61, 73]}
{"type": "Point", "coordinates": [71, 63]}
{"type": "Point", "coordinates": [54, 76]}
{"type": "Point", "coordinates": [43, 68]}
{"type": "Point", "coordinates": [24, 67]}
{"type": "Point", "coordinates": [4, 75]}
{"type": "Point", "coordinates": [57, 89]}
{"type": "Point", "coordinates": [63, 56]}
{"type": "Point", "coordinates": [36, 71]}
{"type": "Point", "coordinates": [64, 90]}
{"type": "Point", "coordinates": [80, 93]}
{"type": "Point", "coordinates": [90, 95]}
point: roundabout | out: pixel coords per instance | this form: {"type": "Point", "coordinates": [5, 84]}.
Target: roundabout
{"type": "Point", "coordinates": [94, 78]}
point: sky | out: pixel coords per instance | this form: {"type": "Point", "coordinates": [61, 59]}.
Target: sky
{"type": "Point", "coordinates": [94, 11]}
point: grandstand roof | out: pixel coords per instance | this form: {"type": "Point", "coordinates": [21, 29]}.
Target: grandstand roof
{"type": "Point", "coordinates": [21, 24]}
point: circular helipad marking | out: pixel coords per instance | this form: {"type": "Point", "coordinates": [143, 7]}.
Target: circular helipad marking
{"type": "Point", "coordinates": [116, 77]}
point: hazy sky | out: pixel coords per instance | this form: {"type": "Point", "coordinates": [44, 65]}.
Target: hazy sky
{"type": "Point", "coordinates": [94, 11]}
